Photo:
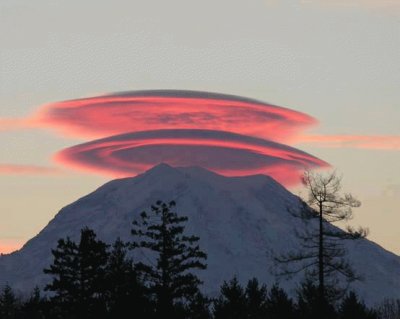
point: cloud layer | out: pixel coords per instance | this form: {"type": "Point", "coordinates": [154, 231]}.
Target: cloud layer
{"type": "Point", "coordinates": [15, 169]}
{"type": "Point", "coordinates": [222, 152]}
{"type": "Point", "coordinates": [383, 142]}
{"type": "Point", "coordinates": [170, 109]}
{"type": "Point", "coordinates": [14, 124]}
{"type": "Point", "coordinates": [136, 130]}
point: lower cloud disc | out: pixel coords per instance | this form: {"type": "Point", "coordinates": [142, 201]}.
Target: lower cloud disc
{"type": "Point", "coordinates": [222, 152]}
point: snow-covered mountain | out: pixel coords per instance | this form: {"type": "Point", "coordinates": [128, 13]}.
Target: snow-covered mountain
{"type": "Point", "coordinates": [238, 219]}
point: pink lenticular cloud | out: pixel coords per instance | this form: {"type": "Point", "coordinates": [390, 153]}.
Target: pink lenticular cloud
{"type": "Point", "coordinates": [373, 142]}
{"type": "Point", "coordinates": [169, 109]}
{"type": "Point", "coordinates": [222, 152]}
{"type": "Point", "coordinates": [7, 124]}
{"type": "Point", "coordinates": [227, 134]}
{"type": "Point", "coordinates": [15, 169]}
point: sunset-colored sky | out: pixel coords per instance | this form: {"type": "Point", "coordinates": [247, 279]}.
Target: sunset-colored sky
{"type": "Point", "coordinates": [334, 64]}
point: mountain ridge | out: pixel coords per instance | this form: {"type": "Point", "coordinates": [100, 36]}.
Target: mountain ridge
{"type": "Point", "coordinates": [238, 219]}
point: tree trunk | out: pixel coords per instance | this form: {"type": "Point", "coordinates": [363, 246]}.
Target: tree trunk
{"type": "Point", "coordinates": [321, 284]}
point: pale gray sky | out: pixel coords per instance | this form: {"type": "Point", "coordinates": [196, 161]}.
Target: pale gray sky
{"type": "Point", "coordinates": [338, 61]}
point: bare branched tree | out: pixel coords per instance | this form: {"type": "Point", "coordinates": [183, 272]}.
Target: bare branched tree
{"type": "Point", "coordinates": [322, 255]}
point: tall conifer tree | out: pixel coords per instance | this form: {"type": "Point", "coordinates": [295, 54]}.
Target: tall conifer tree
{"type": "Point", "coordinates": [9, 304]}
{"type": "Point", "coordinates": [78, 274]}
{"type": "Point", "coordinates": [160, 235]}
{"type": "Point", "coordinates": [124, 289]}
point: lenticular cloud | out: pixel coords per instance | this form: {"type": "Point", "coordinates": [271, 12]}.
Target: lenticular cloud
{"type": "Point", "coordinates": [223, 152]}
{"type": "Point", "coordinates": [169, 109]}
{"type": "Point", "coordinates": [227, 134]}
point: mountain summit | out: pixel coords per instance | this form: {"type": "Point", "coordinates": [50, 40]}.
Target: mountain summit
{"type": "Point", "coordinates": [238, 220]}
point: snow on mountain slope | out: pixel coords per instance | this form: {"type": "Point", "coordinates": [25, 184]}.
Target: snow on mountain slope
{"type": "Point", "coordinates": [238, 219]}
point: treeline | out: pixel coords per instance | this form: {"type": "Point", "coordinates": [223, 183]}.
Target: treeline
{"type": "Point", "coordinates": [252, 301]}
{"type": "Point", "coordinates": [90, 279]}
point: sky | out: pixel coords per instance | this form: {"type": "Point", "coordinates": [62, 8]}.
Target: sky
{"type": "Point", "coordinates": [327, 72]}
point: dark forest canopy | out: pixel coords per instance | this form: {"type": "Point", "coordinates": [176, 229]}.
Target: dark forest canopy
{"type": "Point", "coordinates": [91, 279]}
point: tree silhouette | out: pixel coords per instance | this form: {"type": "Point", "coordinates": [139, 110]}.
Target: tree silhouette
{"type": "Point", "coordinates": [35, 306]}
{"type": "Point", "coordinates": [9, 304]}
{"type": "Point", "coordinates": [122, 285]}
{"type": "Point", "coordinates": [256, 299]}
{"type": "Point", "coordinates": [322, 256]}
{"type": "Point", "coordinates": [311, 306]}
{"type": "Point", "coordinates": [352, 308]}
{"type": "Point", "coordinates": [78, 274]}
{"type": "Point", "coordinates": [251, 302]}
{"type": "Point", "coordinates": [279, 305]}
{"type": "Point", "coordinates": [232, 302]}
{"type": "Point", "coordinates": [64, 269]}
{"type": "Point", "coordinates": [198, 307]}
{"type": "Point", "coordinates": [170, 278]}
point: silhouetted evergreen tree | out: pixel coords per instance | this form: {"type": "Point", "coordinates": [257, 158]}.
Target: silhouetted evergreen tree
{"type": "Point", "coordinates": [310, 305]}
{"type": "Point", "coordinates": [256, 299]}
{"type": "Point", "coordinates": [36, 306]}
{"type": "Point", "coordinates": [198, 307]}
{"type": "Point", "coordinates": [124, 290]}
{"type": "Point", "coordinates": [352, 308]}
{"type": "Point", "coordinates": [78, 274]}
{"type": "Point", "coordinates": [161, 233]}
{"type": "Point", "coordinates": [232, 303]}
{"type": "Point", "coordinates": [64, 283]}
{"type": "Point", "coordinates": [9, 304]}
{"type": "Point", "coordinates": [279, 305]}
{"type": "Point", "coordinates": [253, 302]}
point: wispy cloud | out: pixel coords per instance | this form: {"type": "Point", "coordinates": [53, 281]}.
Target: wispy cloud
{"type": "Point", "coordinates": [17, 169]}
{"type": "Point", "coordinates": [372, 142]}
{"type": "Point", "coordinates": [9, 124]}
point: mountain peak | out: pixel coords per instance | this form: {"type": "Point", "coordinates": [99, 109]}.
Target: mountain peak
{"type": "Point", "coordinates": [166, 168]}
{"type": "Point", "coordinates": [160, 169]}
{"type": "Point", "coordinates": [198, 171]}
{"type": "Point", "coordinates": [238, 219]}
{"type": "Point", "coordinates": [165, 172]}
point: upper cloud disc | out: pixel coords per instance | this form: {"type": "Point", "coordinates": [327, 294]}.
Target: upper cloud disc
{"type": "Point", "coordinates": [169, 109]}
